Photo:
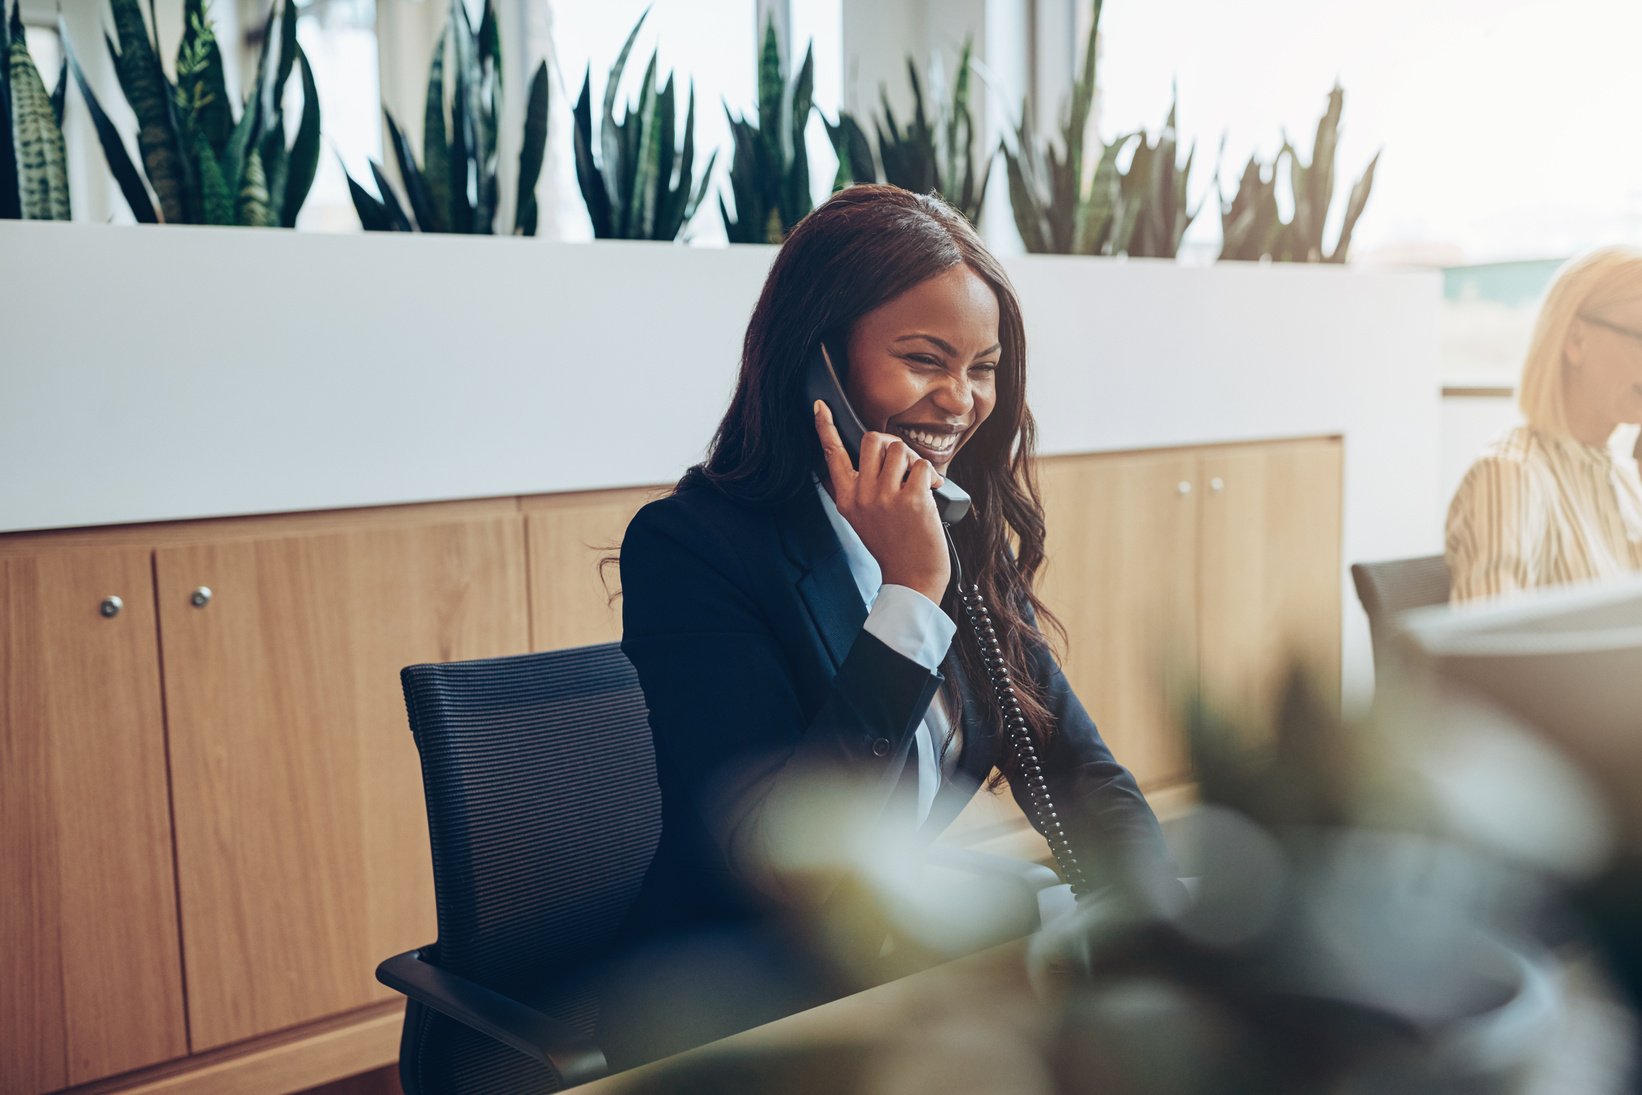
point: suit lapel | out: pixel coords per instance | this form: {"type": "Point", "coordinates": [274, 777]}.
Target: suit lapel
{"type": "Point", "coordinates": [824, 581]}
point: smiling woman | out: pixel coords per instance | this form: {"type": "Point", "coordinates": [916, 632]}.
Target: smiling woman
{"type": "Point", "coordinates": [1549, 503]}
{"type": "Point", "coordinates": [790, 613]}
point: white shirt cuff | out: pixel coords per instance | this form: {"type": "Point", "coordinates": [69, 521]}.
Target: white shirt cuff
{"type": "Point", "coordinates": [911, 624]}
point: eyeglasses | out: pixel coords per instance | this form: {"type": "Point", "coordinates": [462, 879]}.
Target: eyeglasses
{"type": "Point", "coordinates": [1628, 332]}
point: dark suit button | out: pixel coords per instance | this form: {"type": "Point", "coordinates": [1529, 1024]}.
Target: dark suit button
{"type": "Point", "coordinates": [880, 747]}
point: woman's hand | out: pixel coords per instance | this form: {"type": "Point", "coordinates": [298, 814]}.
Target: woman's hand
{"type": "Point", "coordinates": [887, 502]}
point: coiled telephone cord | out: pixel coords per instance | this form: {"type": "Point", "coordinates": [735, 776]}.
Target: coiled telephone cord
{"type": "Point", "coordinates": [1016, 731]}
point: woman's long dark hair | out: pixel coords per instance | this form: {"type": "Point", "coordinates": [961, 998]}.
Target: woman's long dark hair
{"type": "Point", "coordinates": [860, 249]}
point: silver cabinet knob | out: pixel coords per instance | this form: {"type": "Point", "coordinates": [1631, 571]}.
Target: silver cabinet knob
{"type": "Point", "coordinates": [1217, 484]}
{"type": "Point", "coordinates": [200, 597]}
{"type": "Point", "coordinates": [1183, 487]}
{"type": "Point", "coordinates": [110, 607]}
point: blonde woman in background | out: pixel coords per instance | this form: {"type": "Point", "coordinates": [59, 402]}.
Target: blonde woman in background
{"type": "Point", "coordinates": [1549, 503]}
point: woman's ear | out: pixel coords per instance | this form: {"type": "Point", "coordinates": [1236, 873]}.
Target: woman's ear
{"type": "Point", "coordinates": [1573, 343]}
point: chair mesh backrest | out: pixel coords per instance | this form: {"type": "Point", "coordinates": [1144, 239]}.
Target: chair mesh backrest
{"type": "Point", "coordinates": [1389, 589]}
{"type": "Point", "coordinates": [543, 808]}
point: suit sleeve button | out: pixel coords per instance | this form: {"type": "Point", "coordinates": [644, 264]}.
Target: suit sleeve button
{"type": "Point", "coordinates": [880, 747]}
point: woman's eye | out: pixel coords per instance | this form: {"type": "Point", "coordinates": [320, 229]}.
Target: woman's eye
{"type": "Point", "coordinates": [924, 360]}
{"type": "Point", "coordinates": [986, 370]}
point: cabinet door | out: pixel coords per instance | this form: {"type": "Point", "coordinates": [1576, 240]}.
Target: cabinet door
{"type": "Point", "coordinates": [1270, 575]}
{"type": "Point", "coordinates": [301, 836]}
{"type": "Point", "coordinates": [1122, 548]}
{"type": "Point", "coordinates": [92, 981]}
{"type": "Point", "coordinates": [570, 591]}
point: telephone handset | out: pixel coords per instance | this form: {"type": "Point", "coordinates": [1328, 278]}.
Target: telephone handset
{"type": "Point", "coordinates": [952, 503]}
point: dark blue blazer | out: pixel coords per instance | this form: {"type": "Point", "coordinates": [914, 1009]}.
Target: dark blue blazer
{"type": "Point", "coordinates": [745, 627]}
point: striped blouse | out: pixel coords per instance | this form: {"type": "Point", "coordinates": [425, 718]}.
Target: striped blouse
{"type": "Point", "coordinates": [1541, 510]}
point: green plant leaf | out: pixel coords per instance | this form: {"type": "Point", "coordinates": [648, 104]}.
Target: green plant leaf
{"type": "Point", "coordinates": [239, 141]}
{"type": "Point", "coordinates": [611, 168]}
{"type": "Point", "coordinates": [252, 202]}
{"type": "Point", "coordinates": [490, 41]}
{"type": "Point", "coordinates": [854, 150]}
{"type": "Point", "coordinates": [435, 145]}
{"type": "Point", "coordinates": [1023, 200]}
{"type": "Point", "coordinates": [274, 108]}
{"type": "Point", "coordinates": [373, 214]}
{"type": "Point", "coordinates": [531, 149]}
{"type": "Point", "coordinates": [59, 93]}
{"type": "Point", "coordinates": [216, 200]}
{"type": "Point", "coordinates": [409, 174]}
{"type": "Point", "coordinates": [149, 95]}
{"type": "Point", "coordinates": [771, 81]}
{"type": "Point", "coordinates": [10, 203]}
{"type": "Point", "coordinates": [656, 169]}
{"type": "Point", "coordinates": [42, 162]}
{"type": "Point", "coordinates": [638, 135]}
{"type": "Point", "coordinates": [464, 129]}
{"type": "Point", "coordinates": [114, 151]}
{"type": "Point", "coordinates": [1355, 204]}
{"type": "Point", "coordinates": [207, 85]}
{"type": "Point", "coordinates": [390, 200]}
{"type": "Point", "coordinates": [796, 200]}
{"type": "Point", "coordinates": [276, 165]}
{"type": "Point", "coordinates": [487, 51]}
{"type": "Point", "coordinates": [119, 160]}
{"type": "Point", "coordinates": [595, 193]}
{"type": "Point", "coordinates": [303, 162]}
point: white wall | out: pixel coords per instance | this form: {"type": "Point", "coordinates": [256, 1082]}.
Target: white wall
{"type": "Point", "coordinates": [308, 371]}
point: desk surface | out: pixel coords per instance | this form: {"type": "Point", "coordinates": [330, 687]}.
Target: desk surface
{"type": "Point", "coordinates": [980, 1003]}
{"type": "Point", "coordinates": [973, 1024]}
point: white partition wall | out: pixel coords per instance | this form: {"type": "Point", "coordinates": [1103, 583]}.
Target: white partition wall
{"type": "Point", "coordinates": [151, 374]}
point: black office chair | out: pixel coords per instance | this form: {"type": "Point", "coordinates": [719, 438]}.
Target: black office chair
{"type": "Point", "coordinates": [1389, 589]}
{"type": "Point", "coordinates": [543, 814]}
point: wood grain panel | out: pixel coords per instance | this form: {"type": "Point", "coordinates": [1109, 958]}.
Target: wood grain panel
{"type": "Point", "coordinates": [331, 1051]}
{"type": "Point", "coordinates": [92, 983]}
{"type": "Point", "coordinates": [1270, 573]}
{"type": "Point", "coordinates": [1122, 545]}
{"type": "Point", "coordinates": [259, 526]}
{"type": "Point", "coordinates": [301, 834]}
{"type": "Point", "coordinates": [570, 604]}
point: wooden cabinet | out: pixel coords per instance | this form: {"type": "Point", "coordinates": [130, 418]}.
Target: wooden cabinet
{"type": "Point", "coordinates": [92, 980]}
{"type": "Point", "coordinates": [1122, 549]}
{"type": "Point", "coordinates": [1269, 573]}
{"type": "Point", "coordinates": [301, 835]}
{"type": "Point", "coordinates": [218, 789]}
{"type": "Point", "coordinates": [1214, 568]}
{"type": "Point", "coordinates": [573, 598]}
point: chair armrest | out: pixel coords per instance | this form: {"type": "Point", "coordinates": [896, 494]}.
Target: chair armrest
{"type": "Point", "coordinates": [555, 1044]}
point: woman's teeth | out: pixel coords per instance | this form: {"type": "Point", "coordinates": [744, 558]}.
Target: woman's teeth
{"type": "Point", "coordinates": [939, 444]}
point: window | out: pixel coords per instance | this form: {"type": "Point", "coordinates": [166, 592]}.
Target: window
{"type": "Point", "coordinates": [1506, 123]}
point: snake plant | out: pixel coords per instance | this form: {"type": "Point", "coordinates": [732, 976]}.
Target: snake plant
{"type": "Point", "coordinates": [634, 183]}
{"type": "Point", "coordinates": [1250, 223]}
{"type": "Point", "coordinates": [1155, 188]}
{"type": "Point", "coordinates": [33, 163]}
{"type": "Point", "coordinates": [1055, 210]}
{"type": "Point", "coordinates": [204, 165]}
{"type": "Point", "coordinates": [770, 169]}
{"type": "Point", "coordinates": [455, 187]}
{"type": "Point", "coordinates": [1312, 186]}
{"type": "Point", "coordinates": [926, 155]}
{"type": "Point", "coordinates": [1252, 227]}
